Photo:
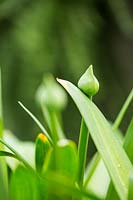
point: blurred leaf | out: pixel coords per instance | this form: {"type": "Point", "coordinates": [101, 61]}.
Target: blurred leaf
{"type": "Point", "coordinates": [24, 148]}
{"type": "Point", "coordinates": [42, 148]}
{"type": "Point", "coordinates": [108, 146]}
{"type": "Point", "coordinates": [64, 159]}
{"type": "Point", "coordinates": [61, 185]}
{"type": "Point", "coordinates": [3, 166]}
{"type": "Point", "coordinates": [18, 155]}
{"type": "Point", "coordinates": [96, 172]}
{"type": "Point", "coordinates": [5, 153]}
{"type": "Point", "coordinates": [24, 185]}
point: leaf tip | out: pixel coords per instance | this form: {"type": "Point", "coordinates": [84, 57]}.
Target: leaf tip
{"type": "Point", "coordinates": [61, 81]}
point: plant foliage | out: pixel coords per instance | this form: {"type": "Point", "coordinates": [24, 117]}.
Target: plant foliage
{"type": "Point", "coordinates": [60, 170]}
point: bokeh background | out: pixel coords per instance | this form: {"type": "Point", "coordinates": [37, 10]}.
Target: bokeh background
{"type": "Point", "coordinates": [64, 38]}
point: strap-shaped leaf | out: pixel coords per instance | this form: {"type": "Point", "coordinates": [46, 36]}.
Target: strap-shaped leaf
{"type": "Point", "coordinates": [36, 121]}
{"type": "Point", "coordinates": [106, 142]}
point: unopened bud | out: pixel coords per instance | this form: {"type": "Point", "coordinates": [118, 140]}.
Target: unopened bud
{"type": "Point", "coordinates": [88, 83]}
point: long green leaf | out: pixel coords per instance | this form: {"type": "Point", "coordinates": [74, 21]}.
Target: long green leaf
{"type": "Point", "coordinates": [108, 146]}
{"type": "Point", "coordinates": [111, 194]}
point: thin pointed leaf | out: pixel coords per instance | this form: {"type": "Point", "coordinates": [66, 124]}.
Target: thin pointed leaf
{"type": "Point", "coordinates": [108, 146]}
{"type": "Point", "coordinates": [123, 110]}
{"type": "Point", "coordinates": [37, 121]}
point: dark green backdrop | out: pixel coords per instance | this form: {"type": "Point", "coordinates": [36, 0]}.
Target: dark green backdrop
{"type": "Point", "coordinates": [64, 38]}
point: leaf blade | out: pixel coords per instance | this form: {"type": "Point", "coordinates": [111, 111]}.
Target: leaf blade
{"type": "Point", "coordinates": [110, 149]}
{"type": "Point", "coordinates": [36, 121]}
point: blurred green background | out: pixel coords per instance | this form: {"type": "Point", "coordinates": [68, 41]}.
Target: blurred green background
{"type": "Point", "coordinates": [64, 38]}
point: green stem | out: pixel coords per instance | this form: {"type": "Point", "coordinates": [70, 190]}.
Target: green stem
{"type": "Point", "coordinates": [82, 151]}
{"type": "Point", "coordinates": [53, 127]}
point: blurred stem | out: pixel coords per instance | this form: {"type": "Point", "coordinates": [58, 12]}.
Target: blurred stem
{"type": "Point", "coordinates": [53, 119]}
{"type": "Point", "coordinates": [1, 114]}
{"type": "Point", "coordinates": [3, 166]}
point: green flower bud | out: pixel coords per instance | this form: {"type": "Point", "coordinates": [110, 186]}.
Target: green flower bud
{"type": "Point", "coordinates": [88, 83]}
{"type": "Point", "coordinates": [51, 95]}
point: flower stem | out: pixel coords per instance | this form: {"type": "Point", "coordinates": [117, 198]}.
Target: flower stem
{"type": "Point", "coordinates": [82, 151]}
